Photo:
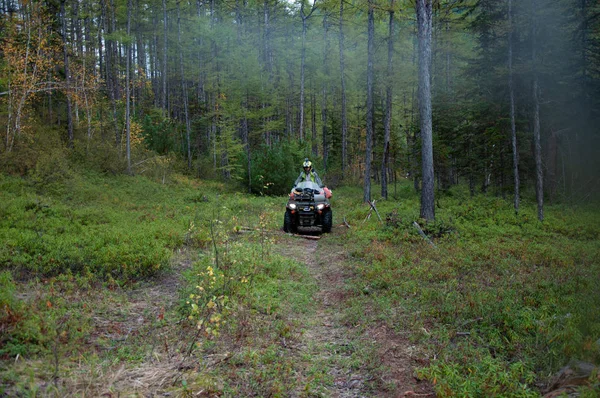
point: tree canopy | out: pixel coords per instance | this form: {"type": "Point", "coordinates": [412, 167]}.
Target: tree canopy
{"type": "Point", "coordinates": [221, 86]}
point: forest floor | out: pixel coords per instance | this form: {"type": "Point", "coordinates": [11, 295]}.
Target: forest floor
{"type": "Point", "coordinates": [142, 349]}
{"type": "Point", "coordinates": [368, 310]}
{"type": "Point", "coordinates": [394, 357]}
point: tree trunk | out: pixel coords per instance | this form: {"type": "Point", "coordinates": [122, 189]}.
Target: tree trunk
{"type": "Point", "coordinates": [246, 143]}
{"type": "Point", "coordinates": [184, 92]}
{"type": "Point", "coordinates": [370, 107]}
{"type": "Point", "coordinates": [154, 64]}
{"type": "Point", "coordinates": [164, 63]}
{"type": "Point", "coordinates": [343, 89]}
{"type": "Point", "coordinates": [200, 94]}
{"type": "Point", "coordinates": [513, 129]}
{"type": "Point", "coordinates": [141, 56]}
{"type": "Point", "coordinates": [78, 29]}
{"type": "Point", "coordinates": [111, 80]}
{"type": "Point", "coordinates": [313, 126]}
{"type": "Point", "coordinates": [325, 87]}
{"type": "Point", "coordinates": [128, 92]}
{"type": "Point", "coordinates": [537, 146]}
{"type": "Point", "coordinates": [304, 17]}
{"type": "Point", "coordinates": [324, 127]}
{"type": "Point", "coordinates": [302, 61]}
{"type": "Point", "coordinates": [100, 41]}
{"type": "Point", "coordinates": [552, 156]}
{"type": "Point", "coordinates": [67, 75]}
{"type": "Point", "coordinates": [388, 107]}
{"type": "Point", "coordinates": [424, 22]}
{"type": "Point", "coordinates": [115, 55]}
{"type": "Point", "coordinates": [268, 60]}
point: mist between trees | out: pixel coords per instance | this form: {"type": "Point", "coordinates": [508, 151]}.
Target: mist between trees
{"type": "Point", "coordinates": [243, 90]}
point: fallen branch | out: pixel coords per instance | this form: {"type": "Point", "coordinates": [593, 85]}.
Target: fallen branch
{"type": "Point", "coordinates": [418, 227]}
{"type": "Point", "coordinates": [307, 236]}
{"type": "Point", "coordinates": [346, 222]}
{"type": "Point", "coordinates": [368, 216]}
{"type": "Point", "coordinates": [372, 204]}
{"type": "Point", "coordinates": [411, 393]}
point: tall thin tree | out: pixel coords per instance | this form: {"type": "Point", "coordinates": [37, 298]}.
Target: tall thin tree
{"type": "Point", "coordinates": [305, 18]}
{"type": "Point", "coordinates": [324, 121]}
{"type": "Point", "coordinates": [343, 91]}
{"type": "Point", "coordinates": [164, 63]}
{"type": "Point", "coordinates": [388, 105]}
{"type": "Point", "coordinates": [424, 24]}
{"type": "Point", "coordinates": [537, 146]}
{"type": "Point", "coordinates": [128, 91]}
{"type": "Point", "coordinates": [70, 135]}
{"type": "Point", "coordinates": [370, 107]}
{"type": "Point", "coordinates": [513, 129]}
{"type": "Point", "coordinates": [184, 91]}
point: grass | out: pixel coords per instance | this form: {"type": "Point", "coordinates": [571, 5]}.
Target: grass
{"type": "Point", "coordinates": [105, 280]}
{"type": "Point", "coordinates": [502, 302]}
{"type": "Point", "coordinates": [106, 227]}
{"type": "Point", "coordinates": [85, 296]}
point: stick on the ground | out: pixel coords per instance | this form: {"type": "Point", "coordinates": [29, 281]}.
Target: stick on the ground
{"type": "Point", "coordinates": [346, 223]}
{"type": "Point", "coordinates": [368, 215]}
{"type": "Point", "coordinates": [308, 237]}
{"type": "Point", "coordinates": [423, 234]}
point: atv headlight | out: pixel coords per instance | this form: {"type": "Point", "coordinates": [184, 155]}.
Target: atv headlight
{"type": "Point", "coordinates": [292, 206]}
{"type": "Point", "coordinates": [320, 206]}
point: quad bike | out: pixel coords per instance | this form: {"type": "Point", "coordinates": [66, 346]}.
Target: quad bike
{"type": "Point", "coordinates": [308, 206]}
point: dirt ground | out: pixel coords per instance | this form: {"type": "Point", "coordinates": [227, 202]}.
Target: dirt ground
{"type": "Point", "coordinates": [329, 265]}
{"type": "Point", "coordinates": [135, 318]}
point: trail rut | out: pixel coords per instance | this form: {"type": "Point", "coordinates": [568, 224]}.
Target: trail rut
{"type": "Point", "coordinates": [328, 338]}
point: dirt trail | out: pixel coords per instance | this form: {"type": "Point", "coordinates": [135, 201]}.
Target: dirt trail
{"type": "Point", "coordinates": [327, 342]}
{"type": "Point", "coordinates": [324, 338]}
{"type": "Point", "coordinates": [327, 336]}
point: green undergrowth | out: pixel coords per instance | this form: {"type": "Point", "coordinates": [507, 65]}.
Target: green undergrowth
{"type": "Point", "coordinates": [501, 301]}
{"type": "Point", "coordinates": [81, 292]}
{"type": "Point", "coordinates": [495, 305]}
{"type": "Point", "coordinates": [121, 228]}
{"type": "Point", "coordinates": [246, 303]}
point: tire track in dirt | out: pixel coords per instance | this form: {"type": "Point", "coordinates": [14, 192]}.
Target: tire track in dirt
{"type": "Point", "coordinates": [326, 338]}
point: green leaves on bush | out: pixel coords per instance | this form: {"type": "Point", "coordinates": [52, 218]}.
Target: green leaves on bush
{"type": "Point", "coordinates": [274, 169]}
{"type": "Point", "coordinates": [110, 228]}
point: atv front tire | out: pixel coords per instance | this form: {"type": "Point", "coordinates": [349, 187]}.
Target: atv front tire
{"type": "Point", "coordinates": [288, 223]}
{"type": "Point", "coordinates": [327, 221]}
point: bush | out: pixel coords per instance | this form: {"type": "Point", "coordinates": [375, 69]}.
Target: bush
{"type": "Point", "coordinates": [52, 171]}
{"type": "Point", "coordinates": [275, 169]}
{"type": "Point", "coordinates": [98, 154]}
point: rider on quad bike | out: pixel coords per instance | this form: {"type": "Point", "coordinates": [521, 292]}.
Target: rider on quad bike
{"type": "Point", "coordinates": [308, 204]}
{"type": "Point", "coordinates": [308, 174]}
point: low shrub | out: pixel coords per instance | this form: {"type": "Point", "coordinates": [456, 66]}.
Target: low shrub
{"type": "Point", "coordinates": [507, 300]}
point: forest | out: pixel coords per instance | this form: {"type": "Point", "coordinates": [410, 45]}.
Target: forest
{"type": "Point", "coordinates": [148, 146]}
{"type": "Point", "coordinates": [234, 89]}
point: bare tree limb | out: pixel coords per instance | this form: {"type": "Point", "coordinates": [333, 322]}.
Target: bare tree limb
{"type": "Point", "coordinates": [423, 234]}
{"type": "Point", "coordinates": [372, 204]}
{"type": "Point", "coordinates": [346, 223]}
